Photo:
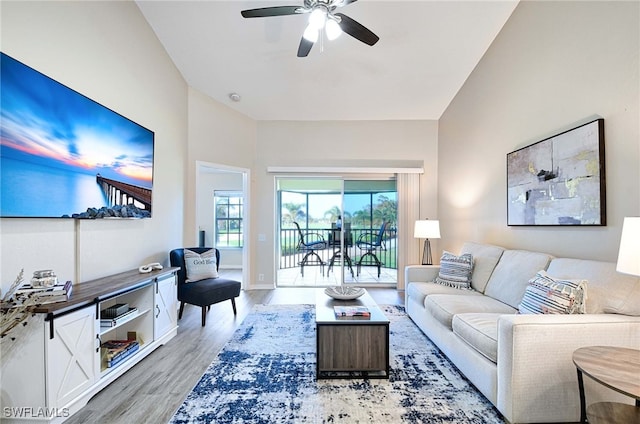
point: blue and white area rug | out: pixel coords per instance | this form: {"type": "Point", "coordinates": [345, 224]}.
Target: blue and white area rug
{"type": "Point", "coordinates": [266, 374]}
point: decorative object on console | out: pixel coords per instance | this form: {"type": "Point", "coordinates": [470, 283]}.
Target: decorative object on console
{"type": "Point", "coordinates": [18, 302]}
{"type": "Point", "coordinates": [44, 278]}
{"type": "Point", "coordinates": [455, 271]}
{"type": "Point", "coordinates": [344, 292]}
{"type": "Point", "coordinates": [547, 295]}
{"type": "Point", "coordinates": [629, 253]}
{"type": "Point", "coordinates": [12, 311]}
{"type": "Point", "coordinates": [62, 153]}
{"type": "Point", "coordinates": [427, 229]}
{"type": "Point", "coordinates": [144, 269]}
{"type": "Point", "coordinates": [559, 180]}
{"type": "Point", "coordinates": [200, 266]}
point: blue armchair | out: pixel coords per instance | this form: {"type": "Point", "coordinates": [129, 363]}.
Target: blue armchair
{"type": "Point", "coordinates": [203, 293]}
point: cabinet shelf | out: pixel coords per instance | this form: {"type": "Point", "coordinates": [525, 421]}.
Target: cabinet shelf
{"type": "Point", "coordinates": [129, 318]}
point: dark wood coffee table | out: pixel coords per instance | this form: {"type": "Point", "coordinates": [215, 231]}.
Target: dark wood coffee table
{"type": "Point", "coordinates": [351, 347]}
{"type": "Point", "coordinates": [617, 368]}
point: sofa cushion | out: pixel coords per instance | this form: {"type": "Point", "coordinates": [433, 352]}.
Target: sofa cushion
{"type": "Point", "coordinates": [480, 331]}
{"type": "Point", "coordinates": [455, 271]}
{"type": "Point", "coordinates": [485, 259]}
{"type": "Point", "coordinates": [548, 295]}
{"type": "Point", "coordinates": [419, 291]}
{"type": "Point", "coordinates": [609, 291]}
{"type": "Point", "coordinates": [443, 307]}
{"type": "Point", "coordinates": [512, 274]}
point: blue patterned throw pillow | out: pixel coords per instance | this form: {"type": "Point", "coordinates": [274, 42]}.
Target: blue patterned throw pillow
{"type": "Point", "coordinates": [548, 295]}
{"type": "Point", "coordinates": [455, 271]}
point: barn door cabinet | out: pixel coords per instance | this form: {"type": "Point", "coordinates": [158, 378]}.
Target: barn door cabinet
{"type": "Point", "coordinates": [56, 364]}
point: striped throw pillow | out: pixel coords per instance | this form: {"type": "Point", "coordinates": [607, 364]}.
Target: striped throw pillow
{"type": "Point", "coordinates": [455, 271]}
{"type": "Point", "coordinates": [548, 295]}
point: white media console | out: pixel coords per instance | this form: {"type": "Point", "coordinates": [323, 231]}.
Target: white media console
{"type": "Point", "coordinates": [56, 364]}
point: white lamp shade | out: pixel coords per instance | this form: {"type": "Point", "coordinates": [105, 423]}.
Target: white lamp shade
{"type": "Point", "coordinates": [427, 229]}
{"type": "Point", "coordinates": [629, 254]}
{"type": "Point", "coordinates": [333, 30]}
{"type": "Point", "coordinates": [311, 34]}
{"type": "Point", "coordinates": [318, 18]}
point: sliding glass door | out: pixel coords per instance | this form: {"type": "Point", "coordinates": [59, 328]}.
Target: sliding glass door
{"type": "Point", "coordinates": [336, 231]}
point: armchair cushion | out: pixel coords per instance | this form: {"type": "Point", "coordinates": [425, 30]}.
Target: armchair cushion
{"type": "Point", "coordinates": [208, 291]}
{"type": "Point", "coordinates": [200, 266]}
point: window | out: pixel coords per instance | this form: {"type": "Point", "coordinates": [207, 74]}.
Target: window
{"type": "Point", "coordinates": [228, 219]}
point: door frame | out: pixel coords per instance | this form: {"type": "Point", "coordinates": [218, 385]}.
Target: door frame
{"type": "Point", "coordinates": [203, 167]}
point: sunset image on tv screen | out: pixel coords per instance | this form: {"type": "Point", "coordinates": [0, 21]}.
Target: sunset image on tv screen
{"type": "Point", "coordinates": [62, 153]}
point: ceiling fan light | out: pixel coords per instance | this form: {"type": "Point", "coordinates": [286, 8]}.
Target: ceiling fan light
{"type": "Point", "coordinates": [318, 18]}
{"type": "Point", "coordinates": [333, 29]}
{"type": "Point", "coordinates": [311, 33]}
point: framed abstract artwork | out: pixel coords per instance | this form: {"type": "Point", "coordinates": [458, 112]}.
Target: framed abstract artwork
{"type": "Point", "coordinates": [559, 180]}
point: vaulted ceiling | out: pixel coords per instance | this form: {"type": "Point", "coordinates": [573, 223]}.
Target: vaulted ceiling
{"type": "Point", "coordinates": [427, 49]}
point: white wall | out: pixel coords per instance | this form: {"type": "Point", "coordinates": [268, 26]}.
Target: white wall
{"type": "Point", "coordinates": [218, 135]}
{"type": "Point", "coordinates": [554, 65]}
{"type": "Point", "coordinates": [106, 51]}
{"type": "Point", "coordinates": [335, 144]}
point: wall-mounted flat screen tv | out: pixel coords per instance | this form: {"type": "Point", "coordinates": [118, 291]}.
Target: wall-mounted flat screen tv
{"type": "Point", "coordinates": [65, 155]}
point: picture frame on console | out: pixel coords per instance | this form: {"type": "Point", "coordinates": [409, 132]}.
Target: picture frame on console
{"type": "Point", "coordinates": [559, 181]}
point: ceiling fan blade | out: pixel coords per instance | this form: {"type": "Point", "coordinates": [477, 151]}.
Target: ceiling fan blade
{"type": "Point", "coordinates": [305, 47]}
{"type": "Point", "coordinates": [345, 3]}
{"type": "Point", "coordinates": [357, 30]}
{"type": "Point", "coordinates": [264, 12]}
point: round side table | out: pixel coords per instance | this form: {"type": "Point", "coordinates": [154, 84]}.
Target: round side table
{"type": "Point", "coordinates": [617, 368]}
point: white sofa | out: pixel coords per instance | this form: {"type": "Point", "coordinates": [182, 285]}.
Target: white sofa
{"type": "Point", "coordinates": [523, 363]}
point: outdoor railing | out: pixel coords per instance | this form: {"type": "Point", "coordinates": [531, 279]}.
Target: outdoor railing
{"type": "Point", "coordinates": [290, 256]}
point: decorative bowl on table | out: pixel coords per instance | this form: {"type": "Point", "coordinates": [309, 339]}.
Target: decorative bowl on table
{"type": "Point", "coordinates": [344, 293]}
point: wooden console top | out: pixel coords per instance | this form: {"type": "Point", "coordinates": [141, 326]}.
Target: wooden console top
{"type": "Point", "coordinates": [93, 291]}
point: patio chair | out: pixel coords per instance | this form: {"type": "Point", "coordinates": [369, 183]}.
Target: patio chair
{"type": "Point", "coordinates": [310, 242]}
{"type": "Point", "coordinates": [371, 242]}
{"type": "Point", "coordinates": [334, 241]}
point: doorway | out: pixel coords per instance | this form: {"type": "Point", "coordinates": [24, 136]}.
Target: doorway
{"type": "Point", "coordinates": [347, 231]}
{"type": "Point", "coordinates": [214, 184]}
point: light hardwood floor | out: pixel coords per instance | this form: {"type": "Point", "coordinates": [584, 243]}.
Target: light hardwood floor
{"type": "Point", "coordinates": [152, 391]}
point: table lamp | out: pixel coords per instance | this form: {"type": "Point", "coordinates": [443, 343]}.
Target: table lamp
{"type": "Point", "coordinates": [427, 229]}
{"type": "Point", "coordinates": [629, 254]}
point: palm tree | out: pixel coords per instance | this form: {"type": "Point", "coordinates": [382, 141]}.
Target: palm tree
{"type": "Point", "coordinates": [295, 211]}
{"type": "Point", "coordinates": [385, 210]}
{"type": "Point", "coordinates": [332, 214]}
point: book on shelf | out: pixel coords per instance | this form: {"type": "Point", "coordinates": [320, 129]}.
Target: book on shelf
{"type": "Point", "coordinates": [115, 351]}
{"type": "Point", "coordinates": [352, 312]}
{"type": "Point", "coordinates": [114, 310]}
{"type": "Point", "coordinates": [112, 322]}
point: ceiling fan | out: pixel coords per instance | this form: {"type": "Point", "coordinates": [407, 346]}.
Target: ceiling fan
{"type": "Point", "coordinates": [322, 16]}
